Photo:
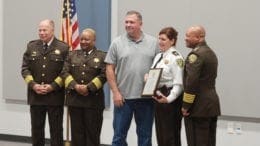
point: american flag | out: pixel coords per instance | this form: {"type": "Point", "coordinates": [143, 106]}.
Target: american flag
{"type": "Point", "coordinates": [70, 25]}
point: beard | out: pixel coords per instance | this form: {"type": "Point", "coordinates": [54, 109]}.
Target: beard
{"type": "Point", "coordinates": [190, 45]}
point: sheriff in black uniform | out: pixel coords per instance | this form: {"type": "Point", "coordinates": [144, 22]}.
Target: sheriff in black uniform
{"type": "Point", "coordinates": [42, 64]}
{"type": "Point", "coordinates": [84, 74]}
{"type": "Point", "coordinates": [200, 102]}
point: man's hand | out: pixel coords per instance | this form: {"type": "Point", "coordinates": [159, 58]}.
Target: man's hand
{"type": "Point", "coordinates": [161, 99]}
{"type": "Point", "coordinates": [47, 88]}
{"type": "Point", "coordinates": [38, 89]}
{"type": "Point", "coordinates": [42, 89]}
{"type": "Point", "coordinates": [82, 89]}
{"type": "Point", "coordinates": [118, 99]}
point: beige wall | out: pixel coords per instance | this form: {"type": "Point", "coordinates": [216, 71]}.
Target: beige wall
{"type": "Point", "coordinates": [232, 31]}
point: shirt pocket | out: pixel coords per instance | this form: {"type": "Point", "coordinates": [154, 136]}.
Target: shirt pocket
{"type": "Point", "coordinates": [34, 57]}
{"type": "Point", "coordinates": [75, 68]}
{"type": "Point", "coordinates": [34, 60]}
{"type": "Point", "coordinates": [56, 58]}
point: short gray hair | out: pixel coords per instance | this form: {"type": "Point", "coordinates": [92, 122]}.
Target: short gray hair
{"type": "Point", "coordinates": [138, 14]}
{"type": "Point", "coordinates": [92, 31]}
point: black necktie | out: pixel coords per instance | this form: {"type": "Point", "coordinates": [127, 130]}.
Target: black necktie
{"type": "Point", "coordinates": [158, 60]}
{"type": "Point", "coordinates": [45, 46]}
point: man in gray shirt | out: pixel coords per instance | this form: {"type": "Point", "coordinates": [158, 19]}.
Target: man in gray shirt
{"type": "Point", "coordinates": [129, 57]}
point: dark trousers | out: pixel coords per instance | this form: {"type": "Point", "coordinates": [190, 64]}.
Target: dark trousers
{"type": "Point", "coordinates": [86, 124]}
{"type": "Point", "coordinates": [201, 131]}
{"type": "Point", "coordinates": [38, 116]}
{"type": "Point", "coordinates": [168, 123]}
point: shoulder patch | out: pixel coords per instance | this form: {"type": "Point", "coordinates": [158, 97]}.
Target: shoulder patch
{"type": "Point", "coordinates": [175, 53]}
{"type": "Point", "coordinates": [192, 58]}
{"type": "Point", "coordinates": [180, 62]}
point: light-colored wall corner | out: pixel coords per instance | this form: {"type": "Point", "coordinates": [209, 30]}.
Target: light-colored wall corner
{"type": "Point", "coordinates": [114, 19]}
{"type": "Point", "coordinates": [1, 47]}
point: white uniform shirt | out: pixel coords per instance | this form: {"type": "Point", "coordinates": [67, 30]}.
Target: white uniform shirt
{"type": "Point", "coordinates": [172, 64]}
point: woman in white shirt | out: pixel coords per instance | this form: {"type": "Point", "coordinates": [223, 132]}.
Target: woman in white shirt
{"type": "Point", "coordinates": [169, 93]}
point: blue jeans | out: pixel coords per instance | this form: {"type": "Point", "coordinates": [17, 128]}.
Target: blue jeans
{"type": "Point", "coordinates": [143, 111]}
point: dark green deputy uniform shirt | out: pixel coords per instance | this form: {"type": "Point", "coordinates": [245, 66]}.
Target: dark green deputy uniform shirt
{"type": "Point", "coordinates": [85, 68]}
{"type": "Point", "coordinates": [200, 73]}
{"type": "Point", "coordinates": [44, 67]}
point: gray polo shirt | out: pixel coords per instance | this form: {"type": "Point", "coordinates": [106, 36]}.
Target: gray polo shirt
{"type": "Point", "coordinates": [132, 60]}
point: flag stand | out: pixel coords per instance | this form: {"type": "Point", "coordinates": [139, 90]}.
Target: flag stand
{"type": "Point", "coordinates": [67, 140]}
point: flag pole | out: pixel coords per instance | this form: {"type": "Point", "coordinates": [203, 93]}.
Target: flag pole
{"type": "Point", "coordinates": [67, 140]}
{"type": "Point", "coordinates": [69, 18]}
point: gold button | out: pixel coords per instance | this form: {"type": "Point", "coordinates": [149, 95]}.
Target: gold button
{"type": "Point", "coordinates": [44, 58]}
{"type": "Point", "coordinates": [82, 81]}
{"type": "Point", "coordinates": [43, 75]}
{"type": "Point", "coordinates": [42, 83]}
{"type": "Point", "coordinates": [84, 65]}
{"type": "Point", "coordinates": [83, 73]}
{"type": "Point", "coordinates": [43, 66]}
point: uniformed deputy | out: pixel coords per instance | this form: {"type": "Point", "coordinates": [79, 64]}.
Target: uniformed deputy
{"type": "Point", "coordinates": [200, 101]}
{"type": "Point", "coordinates": [42, 64]}
{"type": "Point", "coordinates": [84, 74]}
{"type": "Point", "coordinates": [168, 106]}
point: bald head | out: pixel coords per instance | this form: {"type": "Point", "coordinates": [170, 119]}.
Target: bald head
{"type": "Point", "coordinates": [194, 36]}
{"type": "Point", "coordinates": [197, 30]}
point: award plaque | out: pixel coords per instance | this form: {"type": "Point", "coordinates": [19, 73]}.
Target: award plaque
{"type": "Point", "coordinates": [152, 81]}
